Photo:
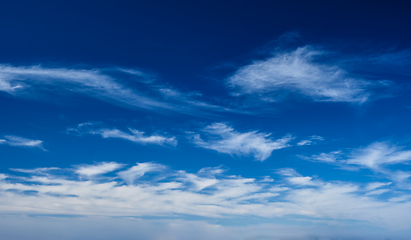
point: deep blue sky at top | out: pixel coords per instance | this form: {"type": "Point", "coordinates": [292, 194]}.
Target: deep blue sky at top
{"type": "Point", "coordinates": [183, 38]}
{"type": "Point", "coordinates": [192, 45]}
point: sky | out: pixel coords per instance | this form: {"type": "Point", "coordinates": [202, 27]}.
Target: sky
{"type": "Point", "coordinates": [251, 120]}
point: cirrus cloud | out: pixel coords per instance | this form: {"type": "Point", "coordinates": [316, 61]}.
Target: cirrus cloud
{"type": "Point", "coordinates": [223, 138]}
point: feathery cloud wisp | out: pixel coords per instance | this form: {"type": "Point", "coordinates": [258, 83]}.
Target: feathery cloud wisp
{"type": "Point", "coordinates": [377, 157]}
{"type": "Point", "coordinates": [223, 138]}
{"type": "Point", "coordinates": [312, 140]}
{"type": "Point", "coordinates": [297, 71]}
{"type": "Point", "coordinates": [104, 84]}
{"type": "Point", "coordinates": [17, 141]}
{"type": "Point", "coordinates": [134, 135]}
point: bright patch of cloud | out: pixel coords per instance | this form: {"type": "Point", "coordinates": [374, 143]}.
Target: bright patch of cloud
{"type": "Point", "coordinates": [94, 170]}
{"type": "Point", "coordinates": [298, 71]}
{"type": "Point", "coordinates": [223, 138]}
{"type": "Point", "coordinates": [134, 135]}
{"type": "Point", "coordinates": [17, 141]}
{"type": "Point", "coordinates": [206, 193]}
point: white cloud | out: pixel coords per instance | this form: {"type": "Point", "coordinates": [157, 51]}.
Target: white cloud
{"type": "Point", "coordinates": [324, 157]}
{"type": "Point", "coordinates": [375, 185]}
{"type": "Point", "coordinates": [135, 172]}
{"type": "Point", "coordinates": [17, 141]}
{"type": "Point", "coordinates": [91, 82]}
{"type": "Point", "coordinates": [377, 192]}
{"type": "Point", "coordinates": [312, 140]}
{"type": "Point", "coordinates": [377, 157]}
{"type": "Point", "coordinates": [134, 135]}
{"type": "Point", "coordinates": [178, 193]}
{"type": "Point", "coordinates": [94, 170]}
{"type": "Point", "coordinates": [378, 154]}
{"type": "Point", "coordinates": [295, 178]}
{"type": "Point", "coordinates": [103, 84]}
{"type": "Point", "coordinates": [399, 176]}
{"type": "Point", "coordinates": [298, 71]}
{"type": "Point", "coordinates": [223, 138]}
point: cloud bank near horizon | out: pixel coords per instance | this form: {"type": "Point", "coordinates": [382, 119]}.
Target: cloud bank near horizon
{"type": "Point", "coordinates": [152, 189]}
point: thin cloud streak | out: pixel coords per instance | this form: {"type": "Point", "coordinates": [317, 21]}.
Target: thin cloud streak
{"type": "Point", "coordinates": [103, 84]}
{"type": "Point", "coordinates": [135, 136]}
{"type": "Point", "coordinates": [17, 141]}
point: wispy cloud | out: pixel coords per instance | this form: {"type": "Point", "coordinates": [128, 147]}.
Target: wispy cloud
{"type": "Point", "coordinates": [17, 141]}
{"type": "Point", "coordinates": [312, 140]}
{"type": "Point", "coordinates": [299, 71]}
{"type": "Point", "coordinates": [331, 157]}
{"type": "Point", "coordinates": [98, 169]}
{"type": "Point", "coordinates": [223, 138]}
{"type": "Point", "coordinates": [378, 154]}
{"type": "Point", "coordinates": [377, 157]}
{"type": "Point", "coordinates": [137, 171]}
{"type": "Point", "coordinates": [207, 193]}
{"type": "Point", "coordinates": [104, 84]}
{"type": "Point", "coordinates": [134, 135]}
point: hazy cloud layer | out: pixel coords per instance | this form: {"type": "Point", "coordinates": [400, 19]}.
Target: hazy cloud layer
{"type": "Point", "coordinates": [103, 228]}
{"type": "Point", "coordinates": [223, 138]}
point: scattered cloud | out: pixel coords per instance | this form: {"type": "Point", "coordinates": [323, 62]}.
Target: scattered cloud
{"type": "Point", "coordinates": [223, 138]}
{"type": "Point", "coordinates": [17, 141]}
{"type": "Point", "coordinates": [207, 193]}
{"type": "Point", "coordinates": [134, 135]}
{"type": "Point", "coordinates": [312, 140]}
{"type": "Point", "coordinates": [299, 71]}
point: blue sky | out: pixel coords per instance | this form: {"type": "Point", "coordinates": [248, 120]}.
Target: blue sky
{"type": "Point", "coordinates": [205, 120]}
